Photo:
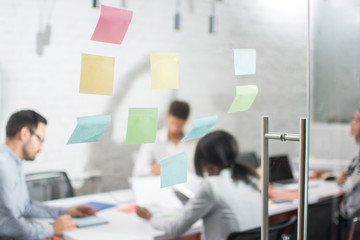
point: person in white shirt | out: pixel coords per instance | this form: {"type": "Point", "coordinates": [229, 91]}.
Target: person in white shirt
{"type": "Point", "coordinates": [228, 200]}
{"type": "Point", "coordinates": [167, 143]}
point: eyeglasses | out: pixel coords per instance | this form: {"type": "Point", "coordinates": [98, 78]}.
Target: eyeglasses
{"type": "Point", "coordinates": [41, 139]}
{"type": "Point", "coordinates": [357, 120]}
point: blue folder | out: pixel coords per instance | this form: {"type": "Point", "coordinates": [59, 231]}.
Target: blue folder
{"type": "Point", "coordinates": [98, 205]}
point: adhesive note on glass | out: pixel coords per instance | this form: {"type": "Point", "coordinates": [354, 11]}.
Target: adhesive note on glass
{"type": "Point", "coordinates": [142, 125]}
{"type": "Point", "coordinates": [97, 74]}
{"type": "Point", "coordinates": [173, 170]}
{"type": "Point", "coordinates": [89, 129]}
{"type": "Point", "coordinates": [112, 25]}
{"type": "Point", "coordinates": [244, 61]}
{"type": "Point", "coordinates": [245, 96]}
{"type": "Point", "coordinates": [200, 128]}
{"type": "Point", "coordinates": [164, 70]}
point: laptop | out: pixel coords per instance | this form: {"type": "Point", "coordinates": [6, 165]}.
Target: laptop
{"type": "Point", "coordinates": [280, 170]}
{"type": "Point", "coordinates": [281, 175]}
{"type": "Point", "coordinates": [249, 159]}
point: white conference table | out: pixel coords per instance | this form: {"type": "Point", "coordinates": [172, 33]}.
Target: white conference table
{"type": "Point", "coordinates": [130, 226]}
{"type": "Point", "coordinates": [121, 225]}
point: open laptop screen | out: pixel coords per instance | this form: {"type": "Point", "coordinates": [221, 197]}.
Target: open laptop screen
{"type": "Point", "coordinates": [280, 168]}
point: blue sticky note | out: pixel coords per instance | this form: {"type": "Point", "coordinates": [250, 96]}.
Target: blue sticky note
{"type": "Point", "coordinates": [200, 128]}
{"type": "Point", "coordinates": [244, 61]}
{"type": "Point", "coordinates": [89, 129]}
{"type": "Point", "coordinates": [89, 221]}
{"type": "Point", "coordinates": [98, 205]}
{"type": "Point", "coordinates": [173, 170]}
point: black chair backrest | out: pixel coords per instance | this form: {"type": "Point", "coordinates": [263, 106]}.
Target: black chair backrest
{"type": "Point", "coordinates": [249, 159]}
{"type": "Point", "coordinates": [45, 186]}
{"type": "Point", "coordinates": [320, 219]}
{"type": "Point", "coordinates": [275, 231]}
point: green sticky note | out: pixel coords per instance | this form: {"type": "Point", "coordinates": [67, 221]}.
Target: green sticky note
{"type": "Point", "coordinates": [89, 129]}
{"type": "Point", "coordinates": [245, 96]}
{"type": "Point", "coordinates": [200, 128]}
{"type": "Point", "coordinates": [173, 170]}
{"type": "Point", "coordinates": [244, 61]}
{"type": "Point", "coordinates": [142, 125]}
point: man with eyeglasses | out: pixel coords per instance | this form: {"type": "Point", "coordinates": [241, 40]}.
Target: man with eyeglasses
{"type": "Point", "coordinates": [25, 133]}
{"type": "Point", "coordinates": [349, 180]}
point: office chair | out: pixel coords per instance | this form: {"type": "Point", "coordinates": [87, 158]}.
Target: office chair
{"type": "Point", "coordinates": [45, 186]}
{"type": "Point", "coordinates": [353, 229]}
{"type": "Point", "coordinates": [250, 159]}
{"type": "Point", "coordinates": [276, 231]}
{"type": "Point", "coordinates": [321, 217]}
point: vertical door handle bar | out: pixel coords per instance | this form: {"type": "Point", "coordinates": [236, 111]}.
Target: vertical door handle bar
{"type": "Point", "coordinates": [266, 136]}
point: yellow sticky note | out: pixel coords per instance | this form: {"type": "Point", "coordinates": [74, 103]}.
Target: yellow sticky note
{"type": "Point", "coordinates": [97, 74]}
{"type": "Point", "coordinates": [164, 70]}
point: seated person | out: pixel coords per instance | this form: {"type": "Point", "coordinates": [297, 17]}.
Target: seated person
{"type": "Point", "coordinates": [25, 133]}
{"type": "Point", "coordinates": [228, 200]}
{"type": "Point", "coordinates": [349, 181]}
{"type": "Point", "coordinates": [167, 143]}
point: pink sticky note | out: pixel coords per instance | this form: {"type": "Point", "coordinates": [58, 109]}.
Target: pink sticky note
{"type": "Point", "coordinates": [112, 25]}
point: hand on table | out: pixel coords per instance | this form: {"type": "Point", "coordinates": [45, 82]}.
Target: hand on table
{"type": "Point", "coordinates": [143, 213]}
{"type": "Point", "coordinates": [155, 169]}
{"type": "Point", "coordinates": [81, 211]}
{"type": "Point", "coordinates": [341, 179]}
{"type": "Point", "coordinates": [63, 223]}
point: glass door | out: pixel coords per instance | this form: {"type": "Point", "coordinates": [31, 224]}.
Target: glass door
{"type": "Point", "coordinates": [334, 131]}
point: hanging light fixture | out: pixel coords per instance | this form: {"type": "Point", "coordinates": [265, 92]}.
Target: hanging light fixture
{"type": "Point", "coordinates": [177, 25]}
{"type": "Point", "coordinates": [96, 3]}
{"type": "Point", "coordinates": [212, 22]}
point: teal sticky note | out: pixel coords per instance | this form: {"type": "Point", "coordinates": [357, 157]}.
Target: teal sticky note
{"type": "Point", "coordinates": [173, 170]}
{"type": "Point", "coordinates": [89, 129]}
{"type": "Point", "coordinates": [142, 125]}
{"type": "Point", "coordinates": [245, 96]}
{"type": "Point", "coordinates": [200, 128]}
{"type": "Point", "coordinates": [244, 61]}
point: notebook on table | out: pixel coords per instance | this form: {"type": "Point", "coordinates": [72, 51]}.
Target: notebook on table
{"type": "Point", "coordinates": [89, 221]}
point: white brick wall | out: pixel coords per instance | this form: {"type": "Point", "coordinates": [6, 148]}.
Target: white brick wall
{"type": "Point", "coordinates": [50, 83]}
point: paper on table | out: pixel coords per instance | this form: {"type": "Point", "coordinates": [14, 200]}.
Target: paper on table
{"type": "Point", "coordinates": [130, 208]}
{"type": "Point", "coordinates": [173, 170]}
{"type": "Point", "coordinates": [164, 70]}
{"type": "Point", "coordinates": [142, 125]}
{"type": "Point", "coordinates": [245, 96]}
{"type": "Point", "coordinates": [148, 194]}
{"type": "Point", "coordinates": [244, 61]}
{"type": "Point", "coordinates": [97, 74]}
{"type": "Point", "coordinates": [89, 129]}
{"type": "Point", "coordinates": [112, 25]}
{"type": "Point", "coordinates": [200, 128]}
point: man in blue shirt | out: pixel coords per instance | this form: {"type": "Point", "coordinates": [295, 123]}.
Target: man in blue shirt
{"type": "Point", "coordinates": [25, 133]}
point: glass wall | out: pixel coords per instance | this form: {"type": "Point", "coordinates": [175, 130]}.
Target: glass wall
{"type": "Point", "coordinates": [334, 97]}
{"type": "Point", "coordinates": [40, 67]}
